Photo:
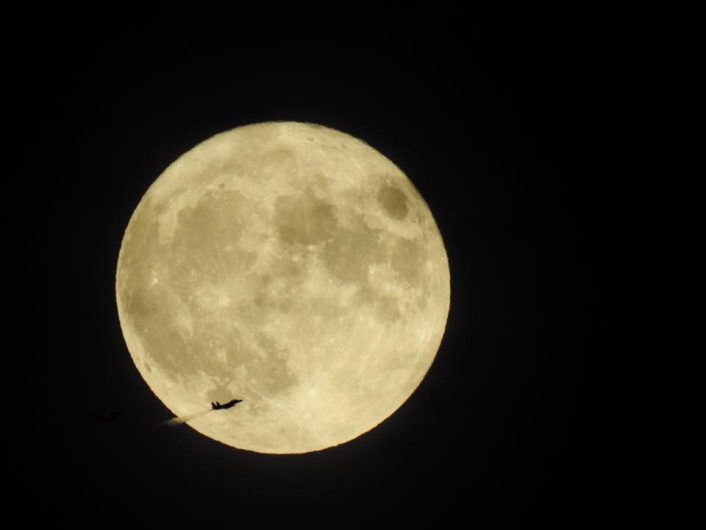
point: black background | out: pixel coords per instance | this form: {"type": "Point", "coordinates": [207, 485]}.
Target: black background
{"type": "Point", "coordinates": [493, 121]}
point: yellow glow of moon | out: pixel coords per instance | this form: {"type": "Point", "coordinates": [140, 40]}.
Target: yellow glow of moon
{"type": "Point", "coordinates": [291, 266]}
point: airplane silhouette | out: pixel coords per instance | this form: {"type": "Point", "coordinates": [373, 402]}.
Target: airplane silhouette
{"type": "Point", "coordinates": [230, 404]}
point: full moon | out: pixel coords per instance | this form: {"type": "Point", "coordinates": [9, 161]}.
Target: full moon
{"type": "Point", "coordinates": [289, 265]}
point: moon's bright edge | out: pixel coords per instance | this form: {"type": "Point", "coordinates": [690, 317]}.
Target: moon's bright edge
{"type": "Point", "coordinates": [291, 266]}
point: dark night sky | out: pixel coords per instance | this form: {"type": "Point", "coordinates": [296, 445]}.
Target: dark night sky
{"type": "Point", "coordinates": [491, 120]}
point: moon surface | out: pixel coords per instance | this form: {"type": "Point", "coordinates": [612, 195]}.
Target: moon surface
{"type": "Point", "coordinates": [289, 265]}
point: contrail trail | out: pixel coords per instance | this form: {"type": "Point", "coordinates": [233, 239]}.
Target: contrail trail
{"type": "Point", "coordinates": [183, 419]}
